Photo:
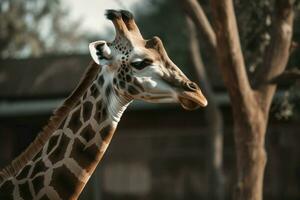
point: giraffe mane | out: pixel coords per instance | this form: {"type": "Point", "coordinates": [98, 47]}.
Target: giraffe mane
{"type": "Point", "coordinates": [54, 122]}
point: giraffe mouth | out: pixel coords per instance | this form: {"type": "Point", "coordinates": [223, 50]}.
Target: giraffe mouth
{"type": "Point", "coordinates": [192, 100]}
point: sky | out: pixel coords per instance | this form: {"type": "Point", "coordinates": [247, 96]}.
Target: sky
{"type": "Point", "coordinates": [91, 12]}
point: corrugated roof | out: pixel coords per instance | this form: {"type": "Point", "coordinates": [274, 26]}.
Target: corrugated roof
{"type": "Point", "coordinates": [50, 76]}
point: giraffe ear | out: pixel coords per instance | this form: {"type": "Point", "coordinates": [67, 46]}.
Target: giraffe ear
{"type": "Point", "coordinates": [100, 51]}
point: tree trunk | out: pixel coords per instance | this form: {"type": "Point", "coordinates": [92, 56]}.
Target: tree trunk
{"type": "Point", "coordinates": [249, 135]}
{"type": "Point", "coordinates": [250, 107]}
{"type": "Point", "coordinates": [214, 119]}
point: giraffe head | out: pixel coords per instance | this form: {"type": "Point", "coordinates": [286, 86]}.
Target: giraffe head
{"type": "Point", "coordinates": [141, 69]}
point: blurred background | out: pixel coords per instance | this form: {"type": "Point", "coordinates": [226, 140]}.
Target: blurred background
{"type": "Point", "coordinates": [158, 151]}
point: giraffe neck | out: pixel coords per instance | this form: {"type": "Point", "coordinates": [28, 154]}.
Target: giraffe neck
{"type": "Point", "coordinates": [64, 165]}
{"type": "Point", "coordinates": [100, 111]}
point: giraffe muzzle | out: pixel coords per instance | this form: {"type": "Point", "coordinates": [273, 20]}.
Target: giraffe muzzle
{"type": "Point", "coordinates": [192, 98]}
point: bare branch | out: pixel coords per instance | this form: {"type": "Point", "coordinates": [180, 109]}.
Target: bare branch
{"type": "Point", "coordinates": [286, 77]}
{"type": "Point", "coordinates": [194, 10]}
{"type": "Point", "coordinates": [229, 54]}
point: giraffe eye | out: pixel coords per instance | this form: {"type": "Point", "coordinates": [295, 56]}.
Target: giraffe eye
{"type": "Point", "coordinates": [141, 64]}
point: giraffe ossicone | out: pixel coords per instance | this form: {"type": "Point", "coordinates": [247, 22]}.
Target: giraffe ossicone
{"type": "Point", "coordinates": [60, 161]}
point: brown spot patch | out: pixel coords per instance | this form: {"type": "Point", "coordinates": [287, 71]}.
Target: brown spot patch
{"type": "Point", "coordinates": [38, 167]}
{"type": "Point", "coordinates": [6, 190]}
{"type": "Point", "coordinates": [88, 133]}
{"type": "Point", "coordinates": [24, 172]}
{"type": "Point", "coordinates": [114, 81]}
{"type": "Point", "coordinates": [38, 183]}
{"type": "Point", "coordinates": [75, 122]}
{"type": "Point", "coordinates": [108, 91]}
{"type": "Point", "coordinates": [98, 113]}
{"type": "Point", "coordinates": [24, 191]}
{"type": "Point", "coordinates": [128, 78]}
{"type": "Point", "coordinates": [59, 152]}
{"type": "Point", "coordinates": [107, 132]}
{"type": "Point", "coordinates": [99, 105]}
{"type": "Point", "coordinates": [104, 114]}
{"type": "Point", "coordinates": [85, 157]}
{"type": "Point", "coordinates": [101, 80]}
{"type": "Point", "coordinates": [87, 110]}
{"type": "Point", "coordinates": [65, 183]}
{"type": "Point", "coordinates": [98, 116]}
{"type": "Point", "coordinates": [122, 84]}
{"type": "Point", "coordinates": [94, 91]}
{"type": "Point", "coordinates": [132, 90]}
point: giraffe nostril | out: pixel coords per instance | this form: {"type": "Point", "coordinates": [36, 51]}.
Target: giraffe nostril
{"type": "Point", "coordinates": [191, 86]}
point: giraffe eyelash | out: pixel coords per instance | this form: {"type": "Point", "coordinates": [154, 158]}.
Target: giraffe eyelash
{"type": "Point", "coordinates": [141, 64]}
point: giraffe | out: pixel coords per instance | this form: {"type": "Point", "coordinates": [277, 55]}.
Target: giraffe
{"type": "Point", "coordinates": [60, 161]}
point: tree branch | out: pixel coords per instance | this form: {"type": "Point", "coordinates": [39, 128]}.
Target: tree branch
{"type": "Point", "coordinates": [277, 54]}
{"type": "Point", "coordinates": [194, 10]}
{"type": "Point", "coordinates": [286, 77]}
{"type": "Point", "coordinates": [229, 55]}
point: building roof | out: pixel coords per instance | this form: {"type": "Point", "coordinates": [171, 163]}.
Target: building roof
{"type": "Point", "coordinates": [44, 77]}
